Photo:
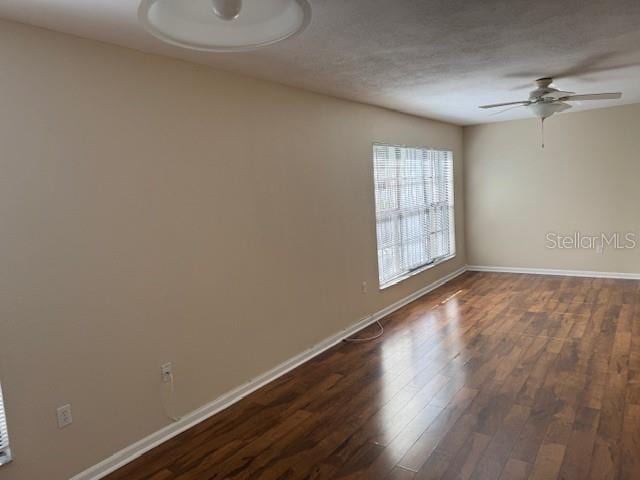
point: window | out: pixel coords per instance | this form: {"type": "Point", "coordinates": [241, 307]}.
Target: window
{"type": "Point", "coordinates": [414, 209]}
{"type": "Point", "coordinates": [5, 454]}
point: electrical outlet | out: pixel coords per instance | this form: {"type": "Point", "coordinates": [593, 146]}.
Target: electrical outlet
{"type": "Point", "coordinates": [364, 287]}
{"type": "Point", "coordinates": [64, 416]}
{"type": "Point", "coordinates": [166, 372]}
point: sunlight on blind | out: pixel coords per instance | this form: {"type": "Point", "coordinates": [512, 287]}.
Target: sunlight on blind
{"type": "Point", "coordinates": [414, 209]}
{"type": "Point", "coordinates": [5, 455]}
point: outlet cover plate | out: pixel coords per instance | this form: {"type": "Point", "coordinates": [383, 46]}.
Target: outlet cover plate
{"type": "Point", "coordinates": [64, 416]}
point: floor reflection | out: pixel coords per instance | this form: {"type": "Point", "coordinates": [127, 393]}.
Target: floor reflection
{"type": "Point", "coordinates": [419, 358]}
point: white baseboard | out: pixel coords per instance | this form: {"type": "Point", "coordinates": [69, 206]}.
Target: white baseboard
{"type": "Point", "coordinates": [135, 450]}
{"type": "Point", "coordinates": [550, 271]}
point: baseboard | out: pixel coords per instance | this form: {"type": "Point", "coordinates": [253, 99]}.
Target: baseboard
{"type": "Point", "coordinates": [135, 450]}
{"type": "Point", "coordinates": [550, 271]}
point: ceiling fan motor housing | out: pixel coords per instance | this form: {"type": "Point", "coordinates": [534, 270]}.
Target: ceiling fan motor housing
{"type": "Point", "coordinates": [544, 82]}
{"type": "Point", "coordinates": [543, 90]}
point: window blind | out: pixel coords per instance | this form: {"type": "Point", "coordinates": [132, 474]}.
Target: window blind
{"type": "Point", "coordinates": [414, 209]}
{"type": "Point", "coordinates": [5, 454]}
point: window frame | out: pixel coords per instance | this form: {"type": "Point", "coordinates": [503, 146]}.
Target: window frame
{"type": "Point", "coordinates": [5, 454]}
{"type": "Point", "coordinates": [435, 261]}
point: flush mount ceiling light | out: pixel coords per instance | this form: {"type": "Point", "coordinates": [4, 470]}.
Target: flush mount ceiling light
{"type": "Point", "coordinates": [224, 25]}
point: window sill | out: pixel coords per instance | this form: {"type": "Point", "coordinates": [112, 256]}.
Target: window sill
{"type": "Point", "coordinates": [416, 272]}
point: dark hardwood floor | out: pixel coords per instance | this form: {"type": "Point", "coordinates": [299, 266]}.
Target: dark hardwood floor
{"type": "Point", "coordinates": [493, 376]}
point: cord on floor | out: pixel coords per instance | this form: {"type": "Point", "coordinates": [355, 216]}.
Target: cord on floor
{"type": "Point", "coordinates": [368, 339]}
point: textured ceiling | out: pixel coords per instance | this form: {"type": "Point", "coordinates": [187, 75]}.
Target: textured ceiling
{"type": "Point", "coordinates": [434, 58]}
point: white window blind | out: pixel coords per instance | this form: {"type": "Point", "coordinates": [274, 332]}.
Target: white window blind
{"type": "Point", "coordinates": [5, 454]}
{"type": "Point", "coordinates": [414, 209]}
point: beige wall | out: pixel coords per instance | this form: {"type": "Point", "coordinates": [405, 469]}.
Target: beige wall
{"type": "Point", "coordinates": [585, 180]}
{"type": "Point", "coordinates": [153, 210]}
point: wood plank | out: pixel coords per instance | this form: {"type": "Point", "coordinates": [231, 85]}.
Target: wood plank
{"type": "Point", "coordinates": [516, 470]}
{"type": "Point", "coordinates": [548, 462]}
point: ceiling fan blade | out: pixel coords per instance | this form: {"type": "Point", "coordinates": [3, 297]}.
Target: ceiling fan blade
{"type": "Point", "coordinates": [507, 109]}
{"type": "Point", "coordinates": [523, 102]}
{"type": "Point", "coordinates": [556, 95]}
{"type": "Point", "coordinates": [593, 96]}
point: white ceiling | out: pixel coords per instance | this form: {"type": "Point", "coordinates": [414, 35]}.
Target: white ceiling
{"type": "Point", "coordinates": [434, 58]}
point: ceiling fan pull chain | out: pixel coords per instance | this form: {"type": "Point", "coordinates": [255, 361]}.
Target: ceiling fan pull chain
{"type": "Point", "coordinates": [542, 130]}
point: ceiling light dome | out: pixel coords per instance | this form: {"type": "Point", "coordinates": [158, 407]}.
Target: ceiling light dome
{"type": "Point", "coordinates": [224, 25]}
{"type": "Point", "coordinates": [546, 109]}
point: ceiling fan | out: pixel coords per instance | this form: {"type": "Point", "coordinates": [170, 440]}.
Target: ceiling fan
{"type": "Point", "coordinates": [546, 100]}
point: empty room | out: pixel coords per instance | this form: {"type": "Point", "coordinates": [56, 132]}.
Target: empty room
{"type": "Point", "coordinates": [319, 240]}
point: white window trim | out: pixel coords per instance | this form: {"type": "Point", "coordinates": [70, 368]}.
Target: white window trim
{"type": "Point", "coordinates": [417, 271]}
{"type": "Point", "coordinates": [5, 453]}
{"type": "Point", "coordinates": [436, 261]}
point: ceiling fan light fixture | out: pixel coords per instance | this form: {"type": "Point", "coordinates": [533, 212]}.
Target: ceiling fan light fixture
{"type": "Point", "coordinates": [224, 25]}
{"type": "Point", "coordinates": [546, 109]}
